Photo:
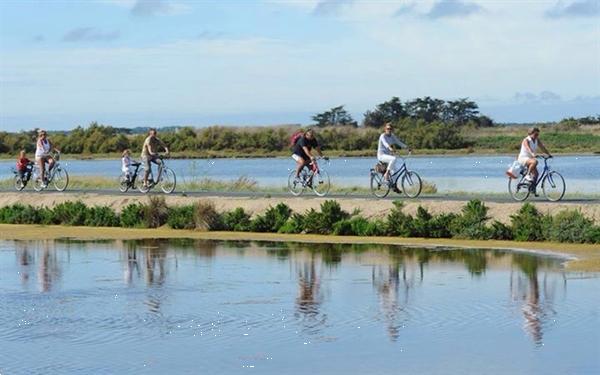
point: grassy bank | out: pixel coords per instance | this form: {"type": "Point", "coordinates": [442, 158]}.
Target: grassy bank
{"type": "Point", "coordinates": [587, 256]}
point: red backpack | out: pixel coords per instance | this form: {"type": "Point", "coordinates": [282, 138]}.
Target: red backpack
{"type": "Point", "coordinates": [295, 137]}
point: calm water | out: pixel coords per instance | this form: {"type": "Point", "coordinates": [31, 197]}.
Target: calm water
{"type": "Point", "coordinates": [189, 307]}
{"type": "Point", "coordinates": [449, 173]}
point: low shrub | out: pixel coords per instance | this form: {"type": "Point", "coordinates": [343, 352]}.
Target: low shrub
{"type": "Point", "coordinates": [155, 213]}
{"type": "Point", "coordinates": [500, 231]}
{"type": "Point", "coordinates": [101, 216]}
{"type": "Point", "coordinates": [526, 224]}
{"type": "Point", "coordinates": [571, 226]}
{"type": "Point", "coordinates": [398, 223]}
{"type": "Point", "coordinates": [273, 219]}
{"type": "Point", "coordinates": [133, 215]}
{"type": "Point", "coordinates": [181, 217]}
{"type": "Point", "coordinates": [206, 216]}
{"type": "Point", "coordinates": [295, 224]}
{"type": "Point", "coordinates": [439, 225]}
{"type": "Point", "coordinates": [25, 214]}
{"type": "Point", "coordinates": [70, 213]}
{"type": "Point", "coordinates": [471, 223]}
{"type": "Point", "coordinates": [237, 220]}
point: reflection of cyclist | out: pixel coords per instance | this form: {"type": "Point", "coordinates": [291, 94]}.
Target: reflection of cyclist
{"type": "Point", "coordinates": [150, 153]}
{"type": "Point", "coordinates": [528, 153]}
{"type": "Point", "coordinates": [303, 150]}
{"type": "Point", "coordinates": [43, 148]}
{"type": "Point", "coordinates": [385, 149]}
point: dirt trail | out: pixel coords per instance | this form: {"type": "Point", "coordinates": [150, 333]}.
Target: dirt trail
{"type": "Point", "coordinates": [368, 207]}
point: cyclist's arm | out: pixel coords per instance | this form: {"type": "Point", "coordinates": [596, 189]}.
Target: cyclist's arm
{"type": "Point", "coordinates": [307, 152]}
{"type": "Point", "coordinates": [400, 143]}
{"type": "Point", "coordinates": [163, 145]}
{"type": "Point", "coordinates": [318, 148]}
{"type": "Point", "coordinates": [384, 143]}
{"type": "Point", "coordinates": [543, 147]}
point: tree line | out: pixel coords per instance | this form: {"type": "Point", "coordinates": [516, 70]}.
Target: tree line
{"type": "Point", "coordinates": [425, 123]}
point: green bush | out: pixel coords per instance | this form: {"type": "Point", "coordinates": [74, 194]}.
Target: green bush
{"type": "Point", "coordinates": [70, 213]}
{"type": "Point", "coordinates": [206, 216]}
{"type": "Point", "coordinates": [312, 222]}
{"type": "Point", "coordinates": [21, 214]}
{"type": "Point", "coordinates": [471, 222]}
{"type": "Point", "coordinates": [101, 216]}
{"type": "Point", "coordinates": [526, 224]}
{"type": "Point", "coordinates": [133, 215]}
{"type": "Point", "coordinates": [398, 223]}
{"type": "Point", "coordinates": [181, 217]}
{"type": "Point", "coordinates": [273, 219]}
{"type": "Point", "coordinates": [237, 220]}
{"type": "Point", "coordinates": [422, 223]}
{"type": "Point", "coordinates": [570, 226]}
{"type": "Point", "coordinates": [439, 225]}
{"type": "Point", "coordinates": [500, 231]}
{"type": "Point", "coordinates": [295, 224]}
{"type": "Point", "coordinates": [331, 213]}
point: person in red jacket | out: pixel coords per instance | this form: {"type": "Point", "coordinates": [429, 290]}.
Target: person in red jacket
{"type": "Point", "coordinates": [23, 166]}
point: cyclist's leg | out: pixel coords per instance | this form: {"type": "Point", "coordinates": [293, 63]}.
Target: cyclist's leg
{"type": "Point", "coordinates": [532, 168]}
{"type": "Point", "coordinates": [300, 162]}
{"type": "Point", "coordinates": [50, 163]}
{"type": "Point", "coordinates": [158, 162]}
{"type": "Point", "coordinates": [42, 166]}
{"type": "Point", "coordinates": [147, 165]}
{"type": "Point", "coordinates": [390, 160]}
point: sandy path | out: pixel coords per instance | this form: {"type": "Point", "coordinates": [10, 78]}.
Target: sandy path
{"type": "Point", "coordinates": [368, 207]}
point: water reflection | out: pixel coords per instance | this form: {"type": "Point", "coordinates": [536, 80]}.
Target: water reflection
{"type": "Point", "coordinates": [393, 274]}
{"type": "Point", "coordinates": [309, 296]}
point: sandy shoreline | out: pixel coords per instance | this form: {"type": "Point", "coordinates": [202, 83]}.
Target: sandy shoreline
{"type": "Point", "coordinates": [578, 257]}
{"type": "Point", "coordinates": [369, 207]}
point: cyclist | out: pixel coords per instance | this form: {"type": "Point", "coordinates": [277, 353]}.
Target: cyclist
{"type": "Point", "coordinates": [126, 163]}
{"type": "Point", "coordinates": [385, 149]}
{"type": "Point", "coordinates": [150, 152]}
{"type": "Point", "coordinates": [527, 155]}
{"type": "Point", "coordinates": [303, 150]}
{"type": "Point", "coordinates": [23, 167]}
{"type": "Point", "coordinates": [42, 155]}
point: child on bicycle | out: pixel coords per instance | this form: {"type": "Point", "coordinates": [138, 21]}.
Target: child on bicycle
{"type": "Point", "coordinates": [126, 163]}
{"type": "Point", "coordinates": [23, 166]}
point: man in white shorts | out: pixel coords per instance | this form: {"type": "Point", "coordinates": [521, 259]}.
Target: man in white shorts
{"type": "Point", "coordinates": [385, 149]}
{"type": "Point", "coordinates": [528, 151]}
{"type": "Point", "coordinates": [303, 150]}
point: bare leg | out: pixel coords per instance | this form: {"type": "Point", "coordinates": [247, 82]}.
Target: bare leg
{"type": "Point", "coordinates": [532, 168]}
{"type": "Point", "coordinates": [41, 164]}
{"type": "Point", "coordinates": [299, 166]}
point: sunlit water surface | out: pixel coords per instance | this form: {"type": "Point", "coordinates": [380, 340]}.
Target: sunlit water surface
{"type": "Point", "coordinates": [190, 307]}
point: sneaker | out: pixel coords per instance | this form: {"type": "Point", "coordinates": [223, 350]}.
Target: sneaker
{"type": "Point", "coordinates": [529, 178]}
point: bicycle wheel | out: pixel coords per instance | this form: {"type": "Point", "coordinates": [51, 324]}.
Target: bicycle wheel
{"type": "Point", "coordinates": [379, 187]}
{"type": "Point", "coordinates": [38, 184]}
{"type": "Point", "coordinates": [19, 184]}
{"type": "Point", "coordinates": [295, 185]}
{"type": "Point", "coordinates": [518, 189]}
{"type": "Point", "coordinates": [554, 186]}
{"type": "Point", "coordinates": [167, 181]}
{"type": "Point", "coordinates": [60, 179]}
{"type": "Point", "coordinates": [321, 183]}
{"type": "Point", "coordinates": [123, 182]}
{"type": "Point", "coordinates": [411, 184]}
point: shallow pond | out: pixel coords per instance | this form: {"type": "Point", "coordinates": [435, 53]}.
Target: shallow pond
{"type": "Point", "coordinates": [188, 307]}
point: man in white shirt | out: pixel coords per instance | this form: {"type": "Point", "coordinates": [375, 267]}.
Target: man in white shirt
{"type": "Point", "coordinates": [385, 149]}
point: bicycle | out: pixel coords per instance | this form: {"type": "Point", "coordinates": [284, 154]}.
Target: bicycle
{"type": "Point", "coordinates": [166, 178]}
{"type": "Point", "coordinates": [57, 175]}
{"type": "Point", "coordinates": [315, 178]}
{"type": "Point", "coordinates": [21, 182]}
{"type": "Point", "coordinates": [127, 180]}
{"type": "Point", "coordinates": [553, 184]}
{"type": "Point", "coordinates": [410, 181]}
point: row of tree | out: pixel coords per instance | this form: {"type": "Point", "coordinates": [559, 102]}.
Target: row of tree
{"type": "Point", "coordinates": [455, 112]}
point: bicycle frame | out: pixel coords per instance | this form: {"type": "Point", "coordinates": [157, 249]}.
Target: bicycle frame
{"type": "Point", "coordinates": [540, 177]}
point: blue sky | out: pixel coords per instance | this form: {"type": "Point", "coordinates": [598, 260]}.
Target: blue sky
{"type": "Point", "coordinates": [158, 62]}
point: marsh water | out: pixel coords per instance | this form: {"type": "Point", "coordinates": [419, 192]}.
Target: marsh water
{"type": "Point", "coordinates": [473, 173]}
{"type": "Point", "coordinates": [189, 307]}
